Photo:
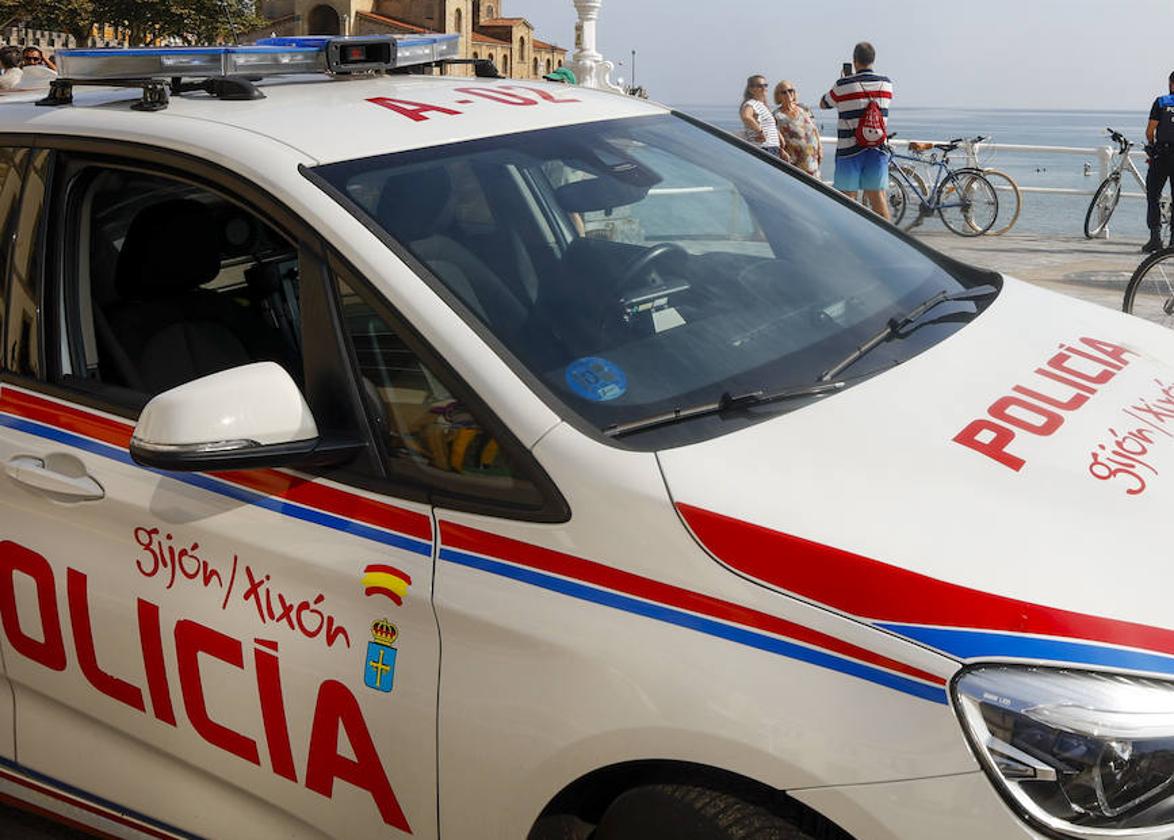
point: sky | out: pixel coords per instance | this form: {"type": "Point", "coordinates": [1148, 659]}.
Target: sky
{"type": "Point", "coordinates": [1030, 54]}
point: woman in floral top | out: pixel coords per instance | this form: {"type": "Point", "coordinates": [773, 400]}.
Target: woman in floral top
{"type": "Point", "coordinates": [798, 133]}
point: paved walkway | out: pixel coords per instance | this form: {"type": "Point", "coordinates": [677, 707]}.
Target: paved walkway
{"type": "Point", "coordinates": [1090, 269]}
{"type": "Point", "coordinates": [21, 825]}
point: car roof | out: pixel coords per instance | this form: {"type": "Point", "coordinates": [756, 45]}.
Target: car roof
{"type": "Point", "coordinates": [341, 118]}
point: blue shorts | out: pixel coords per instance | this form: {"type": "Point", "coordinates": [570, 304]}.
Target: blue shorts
{"type": "Point", "coordinates": [868, 169]}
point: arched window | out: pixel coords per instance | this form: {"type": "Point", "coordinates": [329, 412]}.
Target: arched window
{"type": "Point", "coordinates": [456, 22]}
{"type": "Point", "coordinates": [522, 49]}
{"type": "Point", "coordinates": [476, 57]}
{"type": "Point", "coordinates": [548, 66]}
{"type": "Point", "coordinates": [505, 64]}
{"type": "Point", "coordinates": [560, 62]}
{"type": "Point", "coordinates": [535, 66]}
{"type": "Point", "coordinates": [323, 20]}
{"type": "Point", "coordinates": [489, 11]}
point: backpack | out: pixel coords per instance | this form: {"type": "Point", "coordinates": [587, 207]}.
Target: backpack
{"type": "Point", "coordinates": [870, 130]}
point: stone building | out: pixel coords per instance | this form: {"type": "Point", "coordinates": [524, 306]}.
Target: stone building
{"type": "Point", "coordinates": [509, 42]}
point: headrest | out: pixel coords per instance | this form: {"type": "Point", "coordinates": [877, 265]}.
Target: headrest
{"type": "Point", "coordinates": [412, 205]}
{"type": "Point", "coordinates": [170, 248]}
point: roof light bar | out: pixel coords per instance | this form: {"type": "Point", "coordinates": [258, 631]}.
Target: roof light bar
{"type": "Point", "coordinates": [200, 62]}
{"type": "Point", "coordinates": [269, 57]}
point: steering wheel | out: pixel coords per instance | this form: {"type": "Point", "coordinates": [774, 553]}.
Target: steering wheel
{"type": "Point", "coordinates": [643, 263]}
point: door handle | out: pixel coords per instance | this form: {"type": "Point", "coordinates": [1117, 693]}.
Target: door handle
{"type": "Point", "coordinates": [58, 474]}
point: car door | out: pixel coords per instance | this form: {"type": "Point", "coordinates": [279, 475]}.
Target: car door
{"type": "Point", "coordinates": [254, 651]}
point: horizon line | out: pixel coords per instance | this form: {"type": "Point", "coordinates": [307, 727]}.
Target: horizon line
{"type": "Point", "coordinates": [1023, 109]}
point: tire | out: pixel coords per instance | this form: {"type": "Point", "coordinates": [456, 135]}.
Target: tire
{"type": "Point", "coordinates": [967, 203]}
{"type": "Point", "coordinates": [560, 827]}
{"type": "Point", "coordinates": [679, 812]}
{"type": "Point", "coordinates": [913, 215]}
{"type": "Point", "coordinates": [1100, 209]}
{"type": "Point", "coordinates": [898, 200]}
{"type": "Point", "coordinates": [1150, 293]}
{"type": "Point", "coordinates": [1010, 198]}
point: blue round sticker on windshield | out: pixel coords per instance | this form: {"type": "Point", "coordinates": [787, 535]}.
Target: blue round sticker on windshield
{"type": "Point", "coordinates": [596, 379]}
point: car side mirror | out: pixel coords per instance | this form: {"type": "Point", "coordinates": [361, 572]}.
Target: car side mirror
{"type": "Point", "coordinates": [242, 418]}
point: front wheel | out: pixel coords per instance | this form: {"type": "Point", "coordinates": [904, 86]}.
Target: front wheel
{"type": "Point", "coordinates": [1100, 209]}
{"type": "Point", "coordinates": [681, 812]}
{"type": "Point", "coordinates": [967, 203]}
{"type": "Point", "coordinates": [1010, 198]}
{"type": "Point", "coordinates": [1150, 293]}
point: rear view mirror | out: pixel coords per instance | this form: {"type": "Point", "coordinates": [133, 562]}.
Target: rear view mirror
{"type": "Point", "coordinates": [245, 417]}
{"type": "Point", "coordinates": [594, 194]}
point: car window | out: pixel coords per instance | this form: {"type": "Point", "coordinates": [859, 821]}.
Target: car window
{"type": "Point", "coordinates": [690, 204]}
{"type": "Point", "coordinates": [26, 173]}
{"type": "Point", "coordinates": [681, 268]}
{"type": "Point", "coordinates": [12, 163]}
{"type": "Point", "coordinates": [426, 432]}
{"type": "Point", "coordinates": [166, 282]}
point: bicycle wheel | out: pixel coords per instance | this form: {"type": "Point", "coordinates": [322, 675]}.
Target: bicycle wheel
{"type": "Point", "coordinates": [967, 203]}
{"type": "Point", "coordinates": [898, 199]}
{"type": "Point", "coordinates": [1104, 202]}
{"type": "Point", "coordinates": [915, 177]}
{"type": "Point", "coordinates": [1150, 293]}
{"type": "Point", "coordinates": [1010, 199]}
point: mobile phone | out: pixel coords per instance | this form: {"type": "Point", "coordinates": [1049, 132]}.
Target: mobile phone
{"type": "Point", "coordinates": [846, 69]}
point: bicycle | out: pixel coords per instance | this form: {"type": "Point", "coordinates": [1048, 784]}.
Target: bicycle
{"type": "Point", "coordinates": [967, 205]}
{"type": "Point", "coordinates": [1010, 199]}
{"type": "Point", "coordinates": [1104, 200]}
{"type": "Point", "coordinates": [1150, 291]}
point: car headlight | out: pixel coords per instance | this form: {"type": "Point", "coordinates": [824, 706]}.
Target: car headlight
{"type": "Point", "coordinates": [1082, 754]}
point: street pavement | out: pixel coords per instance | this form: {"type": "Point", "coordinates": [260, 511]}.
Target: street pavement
{"type": "Point", "coordinates": [21, 825]}
{"type": "Point", "coordinates": [1095, 270]}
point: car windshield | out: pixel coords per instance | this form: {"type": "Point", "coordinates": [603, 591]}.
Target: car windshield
{"type": "Point", "coordinates": [641, 266]}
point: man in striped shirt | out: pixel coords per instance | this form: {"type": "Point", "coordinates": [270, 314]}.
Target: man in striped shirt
{"type": "Point", "coordinates": [860, 168]}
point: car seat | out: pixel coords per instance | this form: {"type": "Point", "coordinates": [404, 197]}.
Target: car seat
{"type": "Point", "coordinates": [416, 208]}
{"type": "Point", "coordinates": [163, 329]}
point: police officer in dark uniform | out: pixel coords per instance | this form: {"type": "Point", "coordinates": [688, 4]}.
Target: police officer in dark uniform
{"type": "Point", "coordinates": [1159, 134]}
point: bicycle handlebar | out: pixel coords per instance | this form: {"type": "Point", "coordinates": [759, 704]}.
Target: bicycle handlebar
{"type": "Point", "coordinates": [1120, 139]}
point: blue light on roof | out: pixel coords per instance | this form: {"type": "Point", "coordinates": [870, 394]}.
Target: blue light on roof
{"type": "Point", "coordinates": [268, 57]}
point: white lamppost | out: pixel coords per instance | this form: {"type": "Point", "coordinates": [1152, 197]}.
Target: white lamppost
{"type": "Point", "coordinates": [589, 67]}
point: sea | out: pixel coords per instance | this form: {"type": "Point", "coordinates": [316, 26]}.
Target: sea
{"type": "Point", "coordinates": [1041, 213]}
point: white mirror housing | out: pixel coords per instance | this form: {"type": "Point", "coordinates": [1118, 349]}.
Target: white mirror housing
{"type": "Point", "coordinates": [251, 415]}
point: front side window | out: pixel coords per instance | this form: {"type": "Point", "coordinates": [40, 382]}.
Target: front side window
{"type": "Point", "coordinates": [638, 267]}
{"type": "Point", "coordinates": [166, 282]}
{"type": "Point", "coordinates": [426, 433]}
{"type": "Point", "coordinates": [12, 164]}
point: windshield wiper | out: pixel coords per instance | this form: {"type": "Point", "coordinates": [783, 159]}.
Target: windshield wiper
{"type": "Point", "coordinates": [895, 325]}
{"type": "Point", "coordinates": [726, 402]}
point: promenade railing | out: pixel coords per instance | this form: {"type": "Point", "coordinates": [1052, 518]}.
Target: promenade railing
{"type": "Point", "coordinates": [1103, 155]}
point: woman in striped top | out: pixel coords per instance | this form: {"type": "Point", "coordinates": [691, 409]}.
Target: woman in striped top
{"type": "Point", "coordinates": [759, 124]}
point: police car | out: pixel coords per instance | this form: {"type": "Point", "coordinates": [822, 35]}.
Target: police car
{"type": "Point", "coordinates": [391, 454]}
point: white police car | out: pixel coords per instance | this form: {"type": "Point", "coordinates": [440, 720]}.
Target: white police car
{"type": "Point", "coordinates": [390, 454]}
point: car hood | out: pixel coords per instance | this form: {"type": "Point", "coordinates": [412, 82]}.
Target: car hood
{"type": "Point", "coordinates": [1004, 494]}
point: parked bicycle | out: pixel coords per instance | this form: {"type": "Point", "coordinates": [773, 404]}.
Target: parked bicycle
{"type": "Point", "coordinates": [1010, 199]}
{"type": "Point", "coordinates": [1104, 200]}
{"type": "Point", "coordinates": [1150, 291]}
{"type": "Point", "coordinates": [966, 202]}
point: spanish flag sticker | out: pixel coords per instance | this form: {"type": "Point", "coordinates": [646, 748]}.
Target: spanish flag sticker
{"type": "Point", "coordinates": [381, 579]}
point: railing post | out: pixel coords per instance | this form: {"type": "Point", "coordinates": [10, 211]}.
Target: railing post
{"type": "Point", "coordinates": [1105, 156]}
